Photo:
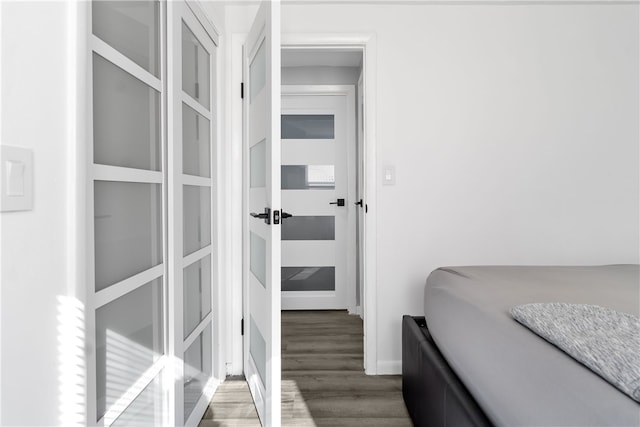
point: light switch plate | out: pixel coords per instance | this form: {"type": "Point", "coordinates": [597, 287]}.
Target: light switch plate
{"type": "Point", "coordinates": [16, 179]}
{"type": "Point", "coordinates": [388, 175]}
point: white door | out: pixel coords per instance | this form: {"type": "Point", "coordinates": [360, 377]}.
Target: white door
{"type": "Point", "coordinates": [191, 214]}
{"type": "Point", "coordinates": [262, 212]}
{"type": "Point", "coordinates": [127, 264]}
{"type": "Point", "coordinates": [151, 313]}
{"type": "Point", "coordinates": [318, 191]}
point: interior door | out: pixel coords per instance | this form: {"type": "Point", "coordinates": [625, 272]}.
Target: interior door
{"type": "Point", "coordinates": [262, 212]}
{"type": "Point", "coordinates": [315, 191]}
{"type": "Point", "coordinates": [127, 288]}
{"type": "Point", "coordinates": [192, 180]}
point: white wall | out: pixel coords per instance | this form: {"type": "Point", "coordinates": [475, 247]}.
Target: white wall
{"type": "Point", "coordinates": [514, 132]}
{"type": "Point", "coordinates": [237, 19]}
{"type": "Point", "coordinates": [513, 129]}
{"type": "Point", "coordinates": [37, 260]}
{"type": "Point", "coordinates": [320, 75]}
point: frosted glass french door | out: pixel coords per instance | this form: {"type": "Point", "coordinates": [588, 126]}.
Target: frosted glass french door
{"type": "Point", "coordinates": [262, 212]}
{"type": "Point", "coordinates": [152, 266]}
{"type": "Point", "coordinates": [191, 202]}
{"type": "Point", "coordinates": [126, 326]}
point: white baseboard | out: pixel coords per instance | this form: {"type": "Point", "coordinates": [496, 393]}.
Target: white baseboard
{"type": "Point", "coordinates": [389, 367]}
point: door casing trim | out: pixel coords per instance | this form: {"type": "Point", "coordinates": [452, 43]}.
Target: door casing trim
{"type": "Point", "coordinates": [367, 44]}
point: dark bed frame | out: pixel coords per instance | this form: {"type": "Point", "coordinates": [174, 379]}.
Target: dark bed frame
{"type": "Point", "coordinates": [432, 392]}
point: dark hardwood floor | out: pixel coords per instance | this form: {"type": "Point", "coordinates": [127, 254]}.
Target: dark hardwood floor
{"type": "Point", "coordinates": [323, 380]}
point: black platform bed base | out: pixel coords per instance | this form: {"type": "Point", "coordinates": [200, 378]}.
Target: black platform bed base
{"type": "Point", "coordinates": [432, 392]}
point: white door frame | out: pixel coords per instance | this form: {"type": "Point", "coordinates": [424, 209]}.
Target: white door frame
{"type": "Point", "coordinates": [366, 43]}
{"type": "Point", "coordinates": [349, 92]}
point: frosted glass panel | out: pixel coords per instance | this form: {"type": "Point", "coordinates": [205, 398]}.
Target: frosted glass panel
{"type": "Point", "coordinates": [308, 177]}
{"type": "Point", "coordinates": [197, 293]}
{"type": "Point", "coordinates": [146, 410]}
{"type": "Point", "coordinates": [258, 72]}
{"type": "Point", "coordinates": [126, 119]}
{"type": "Point", "coordinates": [196, 154]}
{"type": "Point", "coordinates": [132, 28]}
{"type": "Point", "coordinates": [258, 257]}
{"type": "Point", "coordinates": [307, 126]}
{"type": "Point", "coordinates": [197, 218]}
{"type": "Point", "coordinates": [128, 341]}
{"type": "Point", "coordinates": [257, 159]}
{"type": "Point", "coordinates": [128, 230]}
{"type": "Point", "coordinates": [309, 228]}
{"type": "Point", "coordinates": [258, 349]}
{"type": "Point", "coordinates": [197, 370]}
{"type": "Point", "coordinates": [308, 278]}
{"type": "Point", "coordinates": [195, 67]}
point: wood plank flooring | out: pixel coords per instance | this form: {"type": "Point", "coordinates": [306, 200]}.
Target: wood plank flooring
{"type": "Point", "coordinates": [323, 381]}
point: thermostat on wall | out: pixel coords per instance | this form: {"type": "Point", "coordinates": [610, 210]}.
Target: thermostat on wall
{"type": "Point", "coordinates": [16, 179]}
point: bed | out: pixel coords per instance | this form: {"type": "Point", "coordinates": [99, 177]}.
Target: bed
{"type": "Point", "coordinates": [467, 362]}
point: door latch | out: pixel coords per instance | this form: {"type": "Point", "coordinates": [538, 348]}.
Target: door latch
{"type": "Point", "coordinates": [358, 203]}
{"type": "Point", "coordinates": [339, 202]}
{"type": "Point", "coordinates": [266, 215]}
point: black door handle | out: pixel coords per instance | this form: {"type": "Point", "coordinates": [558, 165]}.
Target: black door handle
{"type": "Point", "coordinates": [358, 203]}
{"type": "Point", "coordinates": [339, 202]}
{"type": "Point", "coordinates": [286, 215]}
{"type": "Point", "coordinates": [266, 215]}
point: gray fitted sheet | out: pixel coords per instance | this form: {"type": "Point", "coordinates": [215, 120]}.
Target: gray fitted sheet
{"type": "Point", "coordinates": [517, 377]}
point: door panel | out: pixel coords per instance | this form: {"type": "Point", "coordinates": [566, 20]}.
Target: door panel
{"type": "Point", "coordinates": [295, 152]}
{"type": "Point", "coordinates": [315, 176]}
{"type": "Point", "coordinates": [262, 198]}
{"type": "Point", "coordinates": [303, 279]}
{"type": "Point", "coordinates": [132, 28]}
{"type": "Point", "coordinates": [308, 126]}
{"type": "Point", "coordinates": [126, 126]}
{"type": "Point", "coordinates": [146, 408]}
{"type": "Point", "coordinates": [195, 66]}
{"type": "Point", "coordinates": [129, 340]}
{"type": "Point", "coordinates": [309, 228]}
{"type": "Point", "coordinates": [308, 177]}
{"type": "Point", "coordinates": [309, 203]}
{"type": "Point", "coordinates": [197, 368]}
{"type": "Point", "coordinates": [127, 230]}
{"type": "Point", "coordinates": [126, 318]}
{"type": "Point", "coordinates": [309, 252]}
{"type": "Point", "coordinates": [192, 179]}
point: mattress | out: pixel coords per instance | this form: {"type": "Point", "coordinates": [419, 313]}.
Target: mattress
{"type": "Point", "coordinates": [516, 377]}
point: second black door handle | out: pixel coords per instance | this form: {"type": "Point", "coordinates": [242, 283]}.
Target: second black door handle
{"type": "Point", "coordinates": [266, 216]}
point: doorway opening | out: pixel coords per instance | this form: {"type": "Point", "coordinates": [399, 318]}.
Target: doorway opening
{"type": "Point", "coordinates": [323, 53]}
{"type": "Point", "coordinates": [322, 179]}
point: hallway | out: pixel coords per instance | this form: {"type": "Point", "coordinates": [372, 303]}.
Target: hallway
{"type": "Point", "coordinates": [323, 381]}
